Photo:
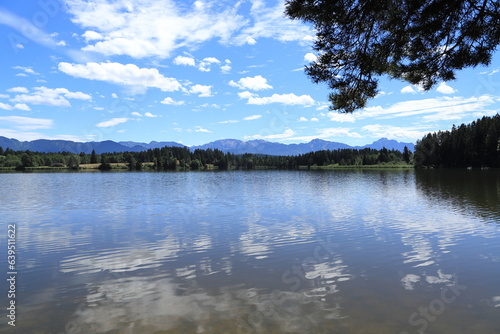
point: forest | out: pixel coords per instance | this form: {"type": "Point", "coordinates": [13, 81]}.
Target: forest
{"type": "Point", "coordinates": [182, 158]}
{"type": "Point", "coordinates": [473, 145]}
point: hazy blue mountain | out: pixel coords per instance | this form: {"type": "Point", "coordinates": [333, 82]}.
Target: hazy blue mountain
{"type": "Point", "coordinates": [265, 147]}
{"type": "Point", "coordinates": [226, 145]}
{"type": "Point", "coordinates": [390, 144]}
{"type": "Point", "coordinates": [151, 145]}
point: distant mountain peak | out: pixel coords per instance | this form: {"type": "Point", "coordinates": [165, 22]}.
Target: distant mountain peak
{"type": "Point", "coordinates": [236, 146]}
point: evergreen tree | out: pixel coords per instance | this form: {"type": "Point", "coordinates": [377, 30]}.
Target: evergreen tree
{"type": "Point", "coordinates": [93, 157]}
{"type": "Point", "coordinates": [422, 42]}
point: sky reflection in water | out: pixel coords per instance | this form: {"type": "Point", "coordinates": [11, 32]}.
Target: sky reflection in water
{"type": "Point", "coordinates": [256, 252]}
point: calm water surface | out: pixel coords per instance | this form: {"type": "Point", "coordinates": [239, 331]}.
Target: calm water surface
{"type": "Point", "coordinates": [343, 251]}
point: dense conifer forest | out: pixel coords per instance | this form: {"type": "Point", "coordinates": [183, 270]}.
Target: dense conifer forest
{"type": "Point", "coordinates": [473, 145]}
{"type": "Point", "coordinates": [181, 158]}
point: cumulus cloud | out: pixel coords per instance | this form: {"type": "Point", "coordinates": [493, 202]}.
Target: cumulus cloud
{"type": "Point", "coordinates": [206, 63]}
{"type": "Point", "coordinates": [443, 88]}
{"type": "Point", "coordinates": [204, 91]}
{"type": "Point", "coordinates": [183, 60]}
{"type": "Point", "coordinates": [287, 99]}
{"type": "Point", "coordinates": [149, 28]}
{"type": "Point", "coordinates": [408, 90]}
{"type": "Point", "coordinates": [56, 97]}
{"type": "Point", "coordinates": [117, 73]}
{"type": "Point", "coordinates": [226, 67]}
{"type": "Point", "coordinates": [170, 101]}
{"type": "Point", "coordinates": [200, 129]}
{"type": "Point", "coordinates": [112, 122]}
{"type": "Point", "coordinates": [18, 90]}
{"type": "Point", "coordinates": [257, 82]}
{"type": "Point", "coordinates": [90, 35]}
{"type": "Point", "coordinates": [310, 57]}
{"type": "Point", "coordinates": [146, 28]}
{"type": "Point", "coordinates": [22, 106]}
{"type": "Point", "coordinates": [148, 114]}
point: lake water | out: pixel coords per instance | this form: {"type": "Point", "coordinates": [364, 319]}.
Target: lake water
{"type": "Point", "coordinates": [339, 251]}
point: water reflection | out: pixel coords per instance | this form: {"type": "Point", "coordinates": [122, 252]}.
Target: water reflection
{"type": "Point", "coordinates": [259, 252]}
{"type": "Point", "coordinates": [472, 191]}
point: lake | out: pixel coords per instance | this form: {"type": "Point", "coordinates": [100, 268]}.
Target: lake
{"type": "Point", "coordinates": [337, 251]}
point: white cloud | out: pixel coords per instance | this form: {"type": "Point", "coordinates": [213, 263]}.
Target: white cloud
{"type": "Point", "coordinates": [4, 96]}
{"type": "Point", "coordinates": [200, 129]}
{"type": "Point", "coordinates": [395, 132]}
{"type": "Point", "coordinates": [304, 119]}
{"type": "Point", "coordinates": [287, 99]}
{"type": "Point", "coordinates": [26, 69]}
{"type": "Point", "coordinates": [328, 133]}
{"type": "Point", "coordinates": [135, 113]}
{"type": "Point", "coordinates": [443, 88]}
{"type": "Point", "coordinates": [254, 83]}
{"type": "Point", "coordinates": [204, 91]}
{"type": "Point", "coordinates": [310, 57]}
{"type": "Point", "coordinates": [186, 61]}
{"type": "Point", "coordinates": [229, 121]}
{"type": "Point", "coordinates": [117, 73]}
{"type": "Point", "coordinates": [18, 90]}
{"type": "Point", "coordinates": [112, 122]}
{"type": "Point", "coordinates": [270, 22]}
{"type": "Point", "coordinates": [205, 64]}
{"type": "Point", "coordinates": [5, 106]}
{"type": "Point", "coordinates": [149, 28]}
{"type": "Point", "coordinates": [22, 106]}
{"type": "Point", "coordinates": [338, 117]}
{"type": "Point", "coordinates": [26, 123]}
{"type": "Point", "coordinates": [26, 29]}
{"type": "Point", "coordinates": [250, 118]}
{"type": "Point", "coordinates": [287, 133]}
{"type": "Point", "coordinates": [408, 90]}
{"type": "Point", "coordinates": [227, 67]}
{"type": "Point", "coordinates": [113, 95]}
{"type": "Point", "coordinates": [90, 35]}
{"type": "Point", "coordinates": [148, 114]}
{"type": "Point", "coordinates": [211, 60]}
{"type": "Point", "coordinates": [56, 97]}
{"type": "Point", "coordinates": [170, 101]}
{"type": "Point", "coordinates": [434, 108]}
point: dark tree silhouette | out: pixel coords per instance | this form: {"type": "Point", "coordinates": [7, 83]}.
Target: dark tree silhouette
{"type": "Point", "coordinates": [422, 42]}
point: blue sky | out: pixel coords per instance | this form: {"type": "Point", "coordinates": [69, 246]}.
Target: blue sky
{"type": "Point", "coordinates": [194, 72]}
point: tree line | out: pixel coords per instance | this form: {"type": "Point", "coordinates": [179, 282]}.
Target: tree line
{"type": "Point", "coordinates": [182, 158]}
{"type": "Point", "coordinates": [473, 145]}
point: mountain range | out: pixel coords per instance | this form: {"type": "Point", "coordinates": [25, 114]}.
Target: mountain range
{"type": "Point", "coordinates": [226, 145]}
